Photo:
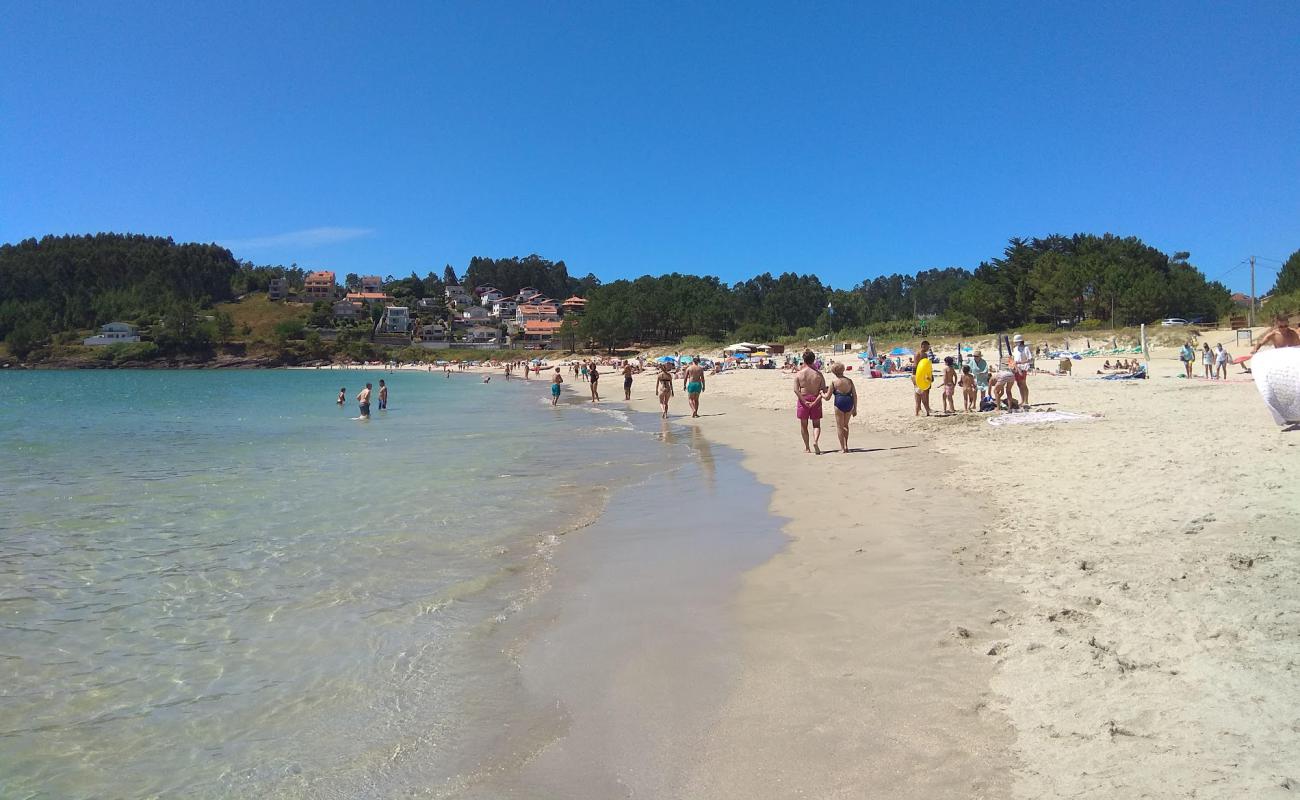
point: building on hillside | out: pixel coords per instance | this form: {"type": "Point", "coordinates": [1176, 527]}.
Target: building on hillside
{"type": "Point", "coordinates": [370, 298]}
{"type": "Point", "coordinates": [475, 314]}
{"type": "Point", "coordinates": [488, 296]}
{"type": "Point", "coordinates": [113, 333]}
{"type": "Point", "coordinates": [396, 319]}
{"type": "Point", "coordinates": [320, 286]}
{"type": "Point", "coordinates": [458, 296]}
{"type": "Point", "coordinates": [574, 305]}
{"type": "Point", "coordinates": [349, 309]}
{"type": "Point", "coordinates": [535, 311]}
{"type": "Point", "coordinates": [433, 332]}
{"type": "Point", "coordinates": [477, 333]}
{"type": "Point", "coordinates": [504, 308]}
{"type": "Point", "coordinates": [431, 305]}
{"type": "Point", "coordinates": [278, 288]}
{"type": "Point", "coordinates": [538, 334]}
{"type": "Point", "coordinates": [372, 283]}
{"type": "Point", "coordinates": [527, 293]}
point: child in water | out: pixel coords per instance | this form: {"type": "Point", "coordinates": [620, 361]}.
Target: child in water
{"type": "Point", "coordinates": [343, 395]}
{"type": "Point", "coordinates": [949, 385]}
{"type": "Point", "coordinates": [969, 392]}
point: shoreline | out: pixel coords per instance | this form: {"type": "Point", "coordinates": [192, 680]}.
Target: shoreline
{"type": "Point", "coordinates": [1119, 590]}
{"type": "Point", "coordinates": [853, 674]}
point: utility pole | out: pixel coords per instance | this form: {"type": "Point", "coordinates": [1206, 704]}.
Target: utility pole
{"type": "Point", "coordinates": [1252, 291]}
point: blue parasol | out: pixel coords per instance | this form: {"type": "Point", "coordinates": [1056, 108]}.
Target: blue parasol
{"type": "Point", "coordinates": [902, 351]}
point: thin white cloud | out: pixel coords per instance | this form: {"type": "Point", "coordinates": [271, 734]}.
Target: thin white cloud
{"type": "Point", "coordinates": [311, 237]}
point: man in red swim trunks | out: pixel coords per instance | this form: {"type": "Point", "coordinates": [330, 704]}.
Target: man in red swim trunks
{"type": "Point", "coordinates": [808, 387]}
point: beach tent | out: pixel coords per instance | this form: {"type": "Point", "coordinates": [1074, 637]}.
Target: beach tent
{"type": "Point", "coordinates": [667, 360]}
{"type": "Point", "coordinates": [902, 351]}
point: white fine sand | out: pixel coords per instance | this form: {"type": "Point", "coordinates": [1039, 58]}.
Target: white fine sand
{"type": "Point", "coordinates": [1096, 609]}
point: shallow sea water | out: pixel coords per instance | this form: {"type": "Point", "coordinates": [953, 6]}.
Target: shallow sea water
{"type": "Point", "coordinates": [224, 585]}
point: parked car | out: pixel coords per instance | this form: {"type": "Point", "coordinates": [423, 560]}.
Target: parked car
{"type": "Point", "coordinates": [1172, 321]}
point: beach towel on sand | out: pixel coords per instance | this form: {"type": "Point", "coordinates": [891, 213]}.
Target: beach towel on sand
{"type": "Point", "coordinates": [1033, 417]}
{"type": "Point", "coordinates": [1277, 376]}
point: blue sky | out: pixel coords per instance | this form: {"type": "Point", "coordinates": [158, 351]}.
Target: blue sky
{"type": "Point", "coordinates": [848, 140]}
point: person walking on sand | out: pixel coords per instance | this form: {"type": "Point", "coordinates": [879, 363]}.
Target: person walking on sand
{"type": "Point", "coordinates": [556, 380]}
{"type": "Point", "coordinates": [627, 380]}
{"type": "Point", "coordinates": [844, 396]}
{"type": "Point", "coordinates": [693, 383]}
{"type": "Point", "coordinates": [343, 395]}
{"type": "Point", "coordinates": [1024, 361]}
{"type": "Point", "coordinates": [949, 385]}
{"type": "Point", "coordinates": [1221, 360]}
{"type": "Point", "coordinates": [363, 400]}
{"type": "Point", "coordinates": [809, 384]}
{"type": "Point", "coordinates": [1207, 360]}
{"type": "Point", "coordinates": [922, 379]}
{"type": "Point", "coordinates": [594, 376]}
{"type": "Point", "coordinates": [383, 395]}
{"type": "Point", "coordinates": [664, 387]}
{"type": "Point", "coordinates": [1187, 355]}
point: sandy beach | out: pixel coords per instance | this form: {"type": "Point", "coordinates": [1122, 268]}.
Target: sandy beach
{"type": "Point", "coordinates": [1097, 608]}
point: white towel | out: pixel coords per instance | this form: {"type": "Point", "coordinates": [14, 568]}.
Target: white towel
{"type": "Point", "coordinates": [1277, 376]}
{"type": "Point", "coordinates": [1036, 417]}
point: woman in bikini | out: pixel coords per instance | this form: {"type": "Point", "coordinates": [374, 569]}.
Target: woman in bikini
{"type": "Point", "coordinates": [664, 386]}
{"type": "Point", "coordinates": [845, 397]}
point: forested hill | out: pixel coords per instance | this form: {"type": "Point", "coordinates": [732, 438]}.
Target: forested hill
{"type": "Point", "coordinates": [1097, 280]}
{"type": "Point", "coordinates": [69, 282]}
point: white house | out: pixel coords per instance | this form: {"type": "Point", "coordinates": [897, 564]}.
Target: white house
{"type": "Point", "coordinates": [489, 296]}
{"type": "Point", "coordinates": [396, 319]}
{"type": "Point", "coordinates": [113, 333]}
{"type": "Point", "coordinates": [433, 332]}
{"type": "Point", "coordinates": [504, 308]}
{"type": "Point", "coordinates": [527, 293]}
{"type": "Point", "coordinates": [479, 334]}
{"type": "Point", "coordinates": [475, 314]}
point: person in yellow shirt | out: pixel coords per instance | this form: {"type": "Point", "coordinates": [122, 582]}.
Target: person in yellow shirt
{"type": "Point", "coordinates": [923, 379]}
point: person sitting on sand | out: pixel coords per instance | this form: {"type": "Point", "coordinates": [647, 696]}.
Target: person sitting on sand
{"type": "Point", "coordinates": [922, 379]}
{"type": "Point", "coordinates": [969, 391]}
{"type": "Point", "coordinates": [844, 396]}
{"type": "Point", "coordinates": [664, 387]}
{"type": "Point", "coordinates": [808, 386]}
{"type": "Point", "coordinates": [1107, 364]}
{"type": "Point", "coordinates": [949, 385]}
{"type": "Point", "coordinates": [1280, 335]}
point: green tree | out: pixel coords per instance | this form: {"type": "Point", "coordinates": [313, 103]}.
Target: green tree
{"type": "Point", "coordinates": [225, 327]}
{"type": "Point", "coordinates": [1288, 278]}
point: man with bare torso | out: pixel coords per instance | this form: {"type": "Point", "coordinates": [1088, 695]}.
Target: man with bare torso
{"type": "Point", "coordinates": [809, 384]}
{"type": "Point", "coordinates": [693, 383]}
{"type": "Point", "coordinates": [1280, 335]}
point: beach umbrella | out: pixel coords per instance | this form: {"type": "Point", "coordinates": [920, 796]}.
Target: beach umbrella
{"type": "Point", "coordinates": [865, 355]}
{"type": "Point", "coordinates": [666, 360]}
{"type": "Point", "coordinates": [871, 346]}
{"type": "Point", "coordinates": [902, 351]}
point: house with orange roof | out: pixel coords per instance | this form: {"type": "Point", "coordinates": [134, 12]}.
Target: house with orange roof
{"type": "Point", "coordinates": [320, 285]}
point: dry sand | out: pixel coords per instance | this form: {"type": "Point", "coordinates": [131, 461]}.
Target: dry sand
{"type": "Point", "coordinates": [1101, 609]}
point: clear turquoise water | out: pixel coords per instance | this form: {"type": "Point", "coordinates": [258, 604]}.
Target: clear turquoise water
{"type": "Point", "coordinates": [222, 585]}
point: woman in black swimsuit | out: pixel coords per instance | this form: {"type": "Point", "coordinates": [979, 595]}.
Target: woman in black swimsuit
{"type": "Point", "coordinates": [627, 381]}
{"type": "Point", "coordinates": [664, 386]}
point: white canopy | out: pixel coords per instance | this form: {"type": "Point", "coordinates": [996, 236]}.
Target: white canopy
{"type": "Point", "coordinates": [742, 346]}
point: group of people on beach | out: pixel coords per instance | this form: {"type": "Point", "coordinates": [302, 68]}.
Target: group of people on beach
{"type": "Point", "coordinates": [978, 380]}
{"type": "Point", "coordinates": [1214, 362]}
